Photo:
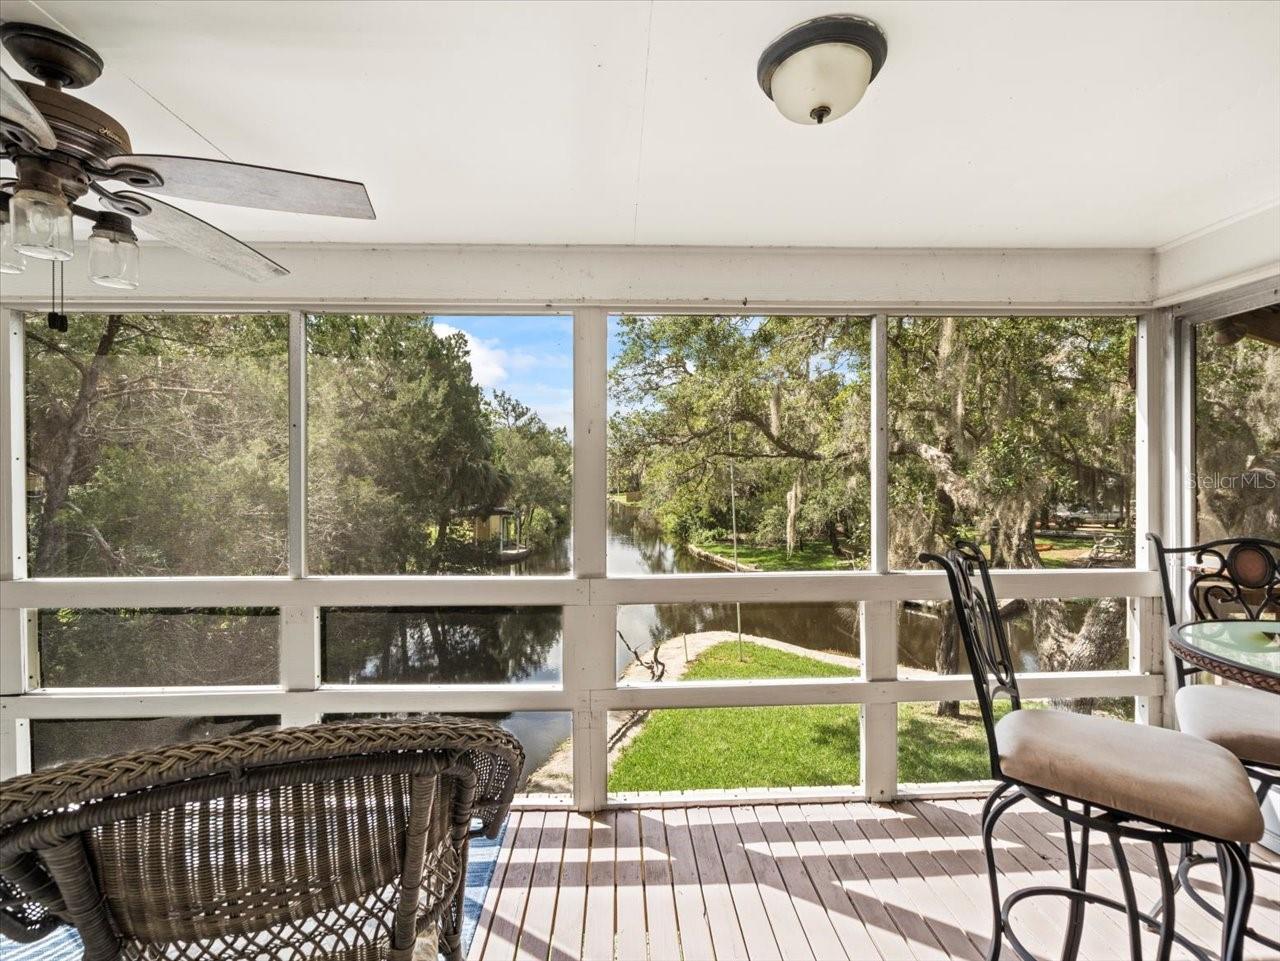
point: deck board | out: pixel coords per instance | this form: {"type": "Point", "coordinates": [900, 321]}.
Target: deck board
{"type": "Point", "coordinates": [485, 924]}
{"type": "Point", "coordinates": [779, 911]}
{"type": "Point", "coordinates": [508, 917]}
{"type": "Point", "coordinates": [571, 898]}
{"type": "Point", "coordinates": [597, 942]}
{"type": "Point", "coordinates": [691, 908]}
{"type": "Point", "coordinates": [769, 880]}
{"type": "Point", "coordinates": [540, 908]}
{"type": "Point", "coordinates": [659, 893]}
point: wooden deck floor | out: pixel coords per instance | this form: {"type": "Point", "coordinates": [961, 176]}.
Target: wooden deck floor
{"type": "Point", "coordinates": [799, 881]}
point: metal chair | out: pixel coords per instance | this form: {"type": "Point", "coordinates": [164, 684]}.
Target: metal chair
{"type": "Point", "coordinates": [1125, 781]}
{"type": "Point", "coordinates": [342, 842]}
{"type": "Point", "coordinates": [1237, 577]}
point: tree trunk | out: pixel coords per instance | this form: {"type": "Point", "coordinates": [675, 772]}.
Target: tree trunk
{"type": "Point", "coordinates": [403, 631]}
{"type": "Point", "coordinates": [51, 533]}
{"type": "Point", "coordinates": [442, 539]}
{"type": "Point", "coordinates": [946, 659]}
{"type": "Point", "coordinates": [793, 512]}
{"type": "Point", "coordinates": [1100, 641]}
{"type": "Point", "coordinates": [833, 536]}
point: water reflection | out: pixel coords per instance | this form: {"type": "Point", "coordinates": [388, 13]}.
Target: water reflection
{"type": "Point", "coordinates": [455, 645]}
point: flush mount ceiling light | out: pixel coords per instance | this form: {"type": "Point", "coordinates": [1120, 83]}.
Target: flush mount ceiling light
{"type": "Point", "coordinates": [819, 70]}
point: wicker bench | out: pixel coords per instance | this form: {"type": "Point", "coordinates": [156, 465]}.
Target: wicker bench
{"type": "Point", "coordinates": [336, 841]}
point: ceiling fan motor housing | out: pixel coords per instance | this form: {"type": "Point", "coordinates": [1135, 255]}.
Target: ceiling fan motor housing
{"type": "Point", "coordinates": [83, 130]}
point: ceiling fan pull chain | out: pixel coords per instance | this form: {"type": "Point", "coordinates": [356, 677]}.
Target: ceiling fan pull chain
{"type": "Point", "coordinates": [55, 318]}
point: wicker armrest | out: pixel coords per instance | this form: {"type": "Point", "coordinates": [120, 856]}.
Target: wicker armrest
{"type": "Point", "coordinates": [496, 756]}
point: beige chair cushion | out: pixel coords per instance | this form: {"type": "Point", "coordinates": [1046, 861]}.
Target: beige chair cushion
{"type": "Point", "coordinates": [1243, 720]}
{"type": "Point", "coordinates": [1151, 772]}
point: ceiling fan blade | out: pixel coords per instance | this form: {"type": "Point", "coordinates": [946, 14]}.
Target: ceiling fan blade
{"type": "Point", "coordinates": [244, 185]}
{"type": "Point", "coordinates": [188, 232]}
{"type": "Point", "coordinates": [16, 108]}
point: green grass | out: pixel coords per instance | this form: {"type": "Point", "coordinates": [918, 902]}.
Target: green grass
{"type": "Point", "coordinates": [807, 557]}
{"type": "Point", "coordinates": [730, 747]}
{"type": "Point", "coordinates": [721, 662]}
{"type": "Point", "coordinates": [1057, 551]}
{"type": "Point", "coordinates": [1064, 550]}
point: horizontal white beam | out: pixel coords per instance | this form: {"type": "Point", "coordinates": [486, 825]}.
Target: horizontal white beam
{"type": "Point", "coordinates": [791, 588]}
{"type": "Point", "coordinates": [1243, 250]}
{"type": "Point", "coordinates": [200, 702]}
{"type": "Point", "coordinates": [338, 276]}
{"type": "Point", "coordinates": [343, 699]}
{"type": "Point", "coordinates": [728, 797]}
{"type": "Point", "coordinates": [767, 693]}
{"type": "Point", "coordinates": [846, 587]}
{"type": "Point", "coordinates": [87, 592]}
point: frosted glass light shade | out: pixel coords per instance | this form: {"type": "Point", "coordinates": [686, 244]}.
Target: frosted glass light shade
{"type": "Point", "coordinates": [827, 75]}
{"type": "Point", "coordinates": [41, 225]}
{"type": "Point", "coordinates": [113, 260]}
{"type": "Point", "coordinates": [11, 262]}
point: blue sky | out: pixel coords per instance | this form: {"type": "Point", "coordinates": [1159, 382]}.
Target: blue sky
{"type": "Point", "coordinates": [529, 357]}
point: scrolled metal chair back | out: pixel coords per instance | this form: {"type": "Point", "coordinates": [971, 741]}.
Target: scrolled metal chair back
{"type": "Point", "coordinates": [986, 643]}
{"type": "Point", "coordinates": [1236, 577]}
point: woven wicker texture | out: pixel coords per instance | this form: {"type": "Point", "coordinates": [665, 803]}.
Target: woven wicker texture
{"type": "Point", "coordinates": [342, 841]}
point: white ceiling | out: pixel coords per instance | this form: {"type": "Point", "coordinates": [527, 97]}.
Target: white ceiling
{"type": "Point", "coordinates": [991, 125]}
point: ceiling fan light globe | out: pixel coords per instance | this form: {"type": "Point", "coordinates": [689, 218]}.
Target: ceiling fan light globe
{"type": "Point", "coordinates": [113, 260]}
{"type": "Point", "coordinates": [834, 76]}
{"type": "Point", "coordinates": [11, 262]}
{"type": "Point", "coordinates": [41, 224]}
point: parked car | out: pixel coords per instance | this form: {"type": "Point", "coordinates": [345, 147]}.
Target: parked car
{"type": "Point", "coordinates": [1069, 518]}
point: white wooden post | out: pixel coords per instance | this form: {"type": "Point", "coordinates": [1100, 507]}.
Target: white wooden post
{"type": "Point", "coordinates": [299, 625]}
{"type": "Point", "coordinates": [1145, 614]}
{"type": "Point", "coordinates": [299, 660]}
{"type": "Point", "coordinates": [588, 659]}
{"type": "Point", "coordinates": [878, 620]}
{"type": "Point", "coordinates": [15, 742]}
{"type": "Point", "coordinates": [297, 444]}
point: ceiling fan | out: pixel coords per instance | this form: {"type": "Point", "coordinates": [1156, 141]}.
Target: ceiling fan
{"type": "Point", "coordinates": [64, 148]}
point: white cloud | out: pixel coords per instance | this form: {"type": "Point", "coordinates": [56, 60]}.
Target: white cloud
{"type": "Point", "coordinates": [492, 367]}
{"type": "Point", "coordinates": [488, 363]}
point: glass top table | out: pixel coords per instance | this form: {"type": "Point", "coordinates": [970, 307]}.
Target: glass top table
{"type": "Point", "coordinates": [1247, 652]}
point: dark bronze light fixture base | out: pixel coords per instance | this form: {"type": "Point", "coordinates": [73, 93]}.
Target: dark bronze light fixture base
{"type": "Point", "coordinates": [53, 57]}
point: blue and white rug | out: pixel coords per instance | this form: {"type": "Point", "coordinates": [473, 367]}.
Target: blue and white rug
{"type": "Point", "coordinates": [64, 945]}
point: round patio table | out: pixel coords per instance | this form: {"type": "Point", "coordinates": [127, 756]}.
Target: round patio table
{"type": "Point", "coordinates": [1247, 652]}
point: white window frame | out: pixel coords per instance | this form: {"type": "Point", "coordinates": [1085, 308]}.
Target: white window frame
{"type": "Point", "coordinates": [589, 596]}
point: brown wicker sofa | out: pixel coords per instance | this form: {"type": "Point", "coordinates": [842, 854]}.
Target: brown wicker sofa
{"type": "Point", "coordinates": [339, 841]}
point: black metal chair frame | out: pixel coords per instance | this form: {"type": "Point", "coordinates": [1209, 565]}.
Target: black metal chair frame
{"type": "Point", "coordinates": [987, 647]}
{"type": "Point", "coordinates": [1222, 585]}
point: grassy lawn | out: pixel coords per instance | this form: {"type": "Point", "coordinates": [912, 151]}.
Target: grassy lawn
{"type": "Point", "coordinates": [1056, 551]}
{"type": "Point", "coordinates": [807, 557]}
{"type": "Point", "coordinates": [1064, 550]}
{"type": "Point", "coordinates": [687, 749]}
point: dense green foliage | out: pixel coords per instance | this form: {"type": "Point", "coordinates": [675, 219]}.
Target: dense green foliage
{"type": "Point", "coordinates": [993, 422]}
{"type": "Point", "coordinates": [783, 402]}
{"type": "Point", "coordinates": [159, 446]}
